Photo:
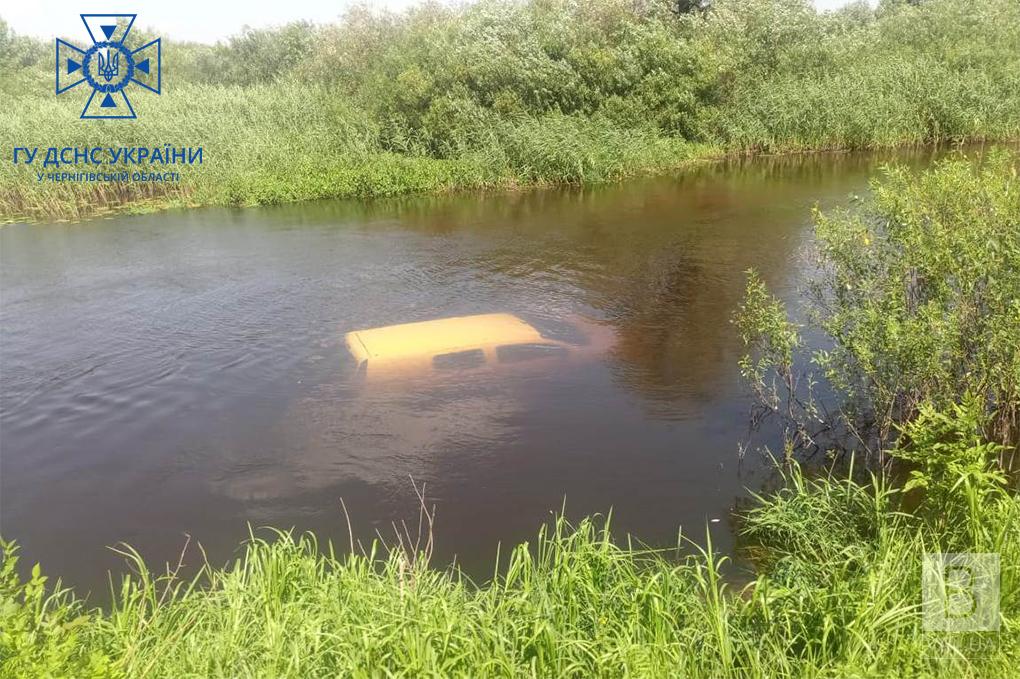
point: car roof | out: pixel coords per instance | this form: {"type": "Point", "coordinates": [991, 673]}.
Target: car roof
{"type": "Point", "coordinates": [444, 335]}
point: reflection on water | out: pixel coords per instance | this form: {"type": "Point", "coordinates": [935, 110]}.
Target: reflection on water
{"type": "Point", "coordinates": [186, 372]}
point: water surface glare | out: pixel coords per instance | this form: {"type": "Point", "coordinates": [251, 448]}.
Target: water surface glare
{"type": "Point", "coordinates": [185, 372]}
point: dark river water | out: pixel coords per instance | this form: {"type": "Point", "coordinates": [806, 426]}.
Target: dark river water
{"type": "Point", "coordinates": [186, 372]}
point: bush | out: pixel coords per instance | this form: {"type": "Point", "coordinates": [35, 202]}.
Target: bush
{"type": "Point", "coordinates": [918, 298]}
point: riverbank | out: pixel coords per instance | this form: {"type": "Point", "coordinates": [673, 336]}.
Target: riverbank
{"type": "Point", "coordinates": [496, 96]}
{"type": "Point", "coordinates": [837, 594]}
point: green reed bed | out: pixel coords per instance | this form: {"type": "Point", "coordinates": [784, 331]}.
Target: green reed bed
{"type": "Point", "coordinates": [500, 94]}
{"type": "Point", "coordinates": [263, 145]}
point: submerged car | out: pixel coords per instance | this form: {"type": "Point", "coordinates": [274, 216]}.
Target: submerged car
{"type": "Point", "coordinates": [458, 343]}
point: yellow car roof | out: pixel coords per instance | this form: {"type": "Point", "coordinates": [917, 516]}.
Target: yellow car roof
{"type": "Point", "coordinates": [440, 336]}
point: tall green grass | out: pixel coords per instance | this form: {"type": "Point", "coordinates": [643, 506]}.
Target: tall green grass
{"type": "Point", "coordinates": [288, 142]}
{"type": "Point", "coordinates": [837, 594]}
{"type": "Point", "coordinates": [499, 94]}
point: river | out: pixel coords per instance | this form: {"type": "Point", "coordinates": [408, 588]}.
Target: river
{"type": "Point", "coordinates": [186, 373]}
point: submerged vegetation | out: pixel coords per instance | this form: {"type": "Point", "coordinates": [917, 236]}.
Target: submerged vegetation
{"type": "Point", "coordinates": [498, 94]}
{"type": "Point", "coordinates": [837, 585]}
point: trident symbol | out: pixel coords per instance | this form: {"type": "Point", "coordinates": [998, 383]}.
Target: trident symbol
{"type": "Point", "coordinates": [109, 66]}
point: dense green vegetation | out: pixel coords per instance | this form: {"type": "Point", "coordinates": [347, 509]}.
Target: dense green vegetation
{"type": "Point", "coordinates": [503, 94]}
{"type": "Point", "coordinates": [837, 587]}
{"type": "Point", "coordinates": [918, 301]}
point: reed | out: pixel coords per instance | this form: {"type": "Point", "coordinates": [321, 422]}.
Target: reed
{"type": "Point", "coordinates": [497, 95]}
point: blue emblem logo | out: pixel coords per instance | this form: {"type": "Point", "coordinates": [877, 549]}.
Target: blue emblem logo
{"type": "Point", "coordinates": [108, 66]}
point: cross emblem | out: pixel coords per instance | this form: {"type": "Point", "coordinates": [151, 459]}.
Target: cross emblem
{"type": "Point", "coordinates": [108, 66]}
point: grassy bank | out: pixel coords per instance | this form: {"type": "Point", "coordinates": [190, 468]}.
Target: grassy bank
{"type": "Point", "coordinates": [837, 594]}
{"type": "Point", "coordinates": [508, 94]}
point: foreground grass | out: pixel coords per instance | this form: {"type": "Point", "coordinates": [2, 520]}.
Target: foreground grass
{"type": "Point", "coordinates": [500, 94]}
{"type": "Point", "coordinates": [838, 594]}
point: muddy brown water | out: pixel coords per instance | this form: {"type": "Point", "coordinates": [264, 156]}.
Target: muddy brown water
{"type": "Point", "coordinates": [185, 372]}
